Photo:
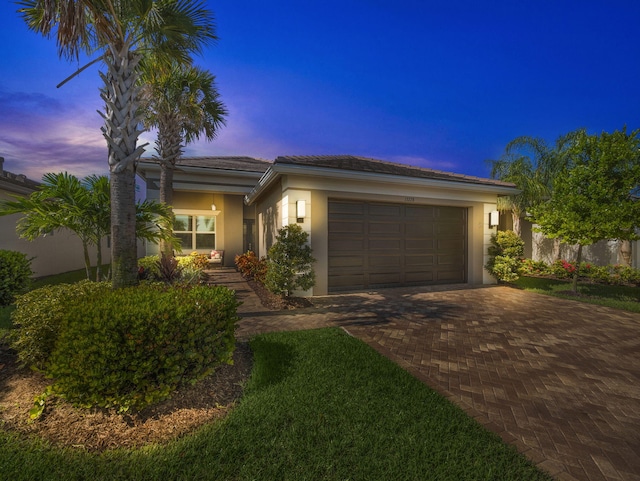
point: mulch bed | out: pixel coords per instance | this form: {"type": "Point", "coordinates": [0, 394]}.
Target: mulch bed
{"type": "Point", "coordinates": [97, 430]}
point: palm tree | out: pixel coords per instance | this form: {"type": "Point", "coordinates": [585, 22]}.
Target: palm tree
{"type": "Point", "coordinates": [122, 32]}
{"type": "Point", "coordinates": [63, 202]}
{"type": "Point", "coordinates": [184, 104]}
{"type": "Point", "coordinates": [533, 166]}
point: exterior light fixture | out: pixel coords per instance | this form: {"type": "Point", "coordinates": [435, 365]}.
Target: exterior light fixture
{"type": "Point", "coordinates": [494, 218]}
{"type": "Point", "coordinates": [301, 210]}
{"type": "Point", "coordinates": [213, 207]}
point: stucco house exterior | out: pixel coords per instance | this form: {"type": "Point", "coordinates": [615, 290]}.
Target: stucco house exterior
{"type": "Point", "coordinates": [371, 223]}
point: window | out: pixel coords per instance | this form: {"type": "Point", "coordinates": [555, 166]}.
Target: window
{"type": "Point", "coordinates": [195, 231]}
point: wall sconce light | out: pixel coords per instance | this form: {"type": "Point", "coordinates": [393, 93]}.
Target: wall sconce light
{"type": "Point", "coordinates": [213, 207]}
{"type": "Point", "coordinates": [494, 218]}
{"type": "Point", "coordinates": [301, 210]}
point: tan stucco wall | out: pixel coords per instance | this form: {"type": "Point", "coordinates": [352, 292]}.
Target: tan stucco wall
{"type": "Point", "coordinates": [231, 213]}
{"type": "Point", "coordinates": [269, 218]}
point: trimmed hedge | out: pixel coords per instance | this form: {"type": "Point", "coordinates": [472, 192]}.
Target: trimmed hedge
{"type": "Point", "coordinates": [505, 252]}
{"type": "Point", "coordinates": [132, 347]}
{"type": "Point", "coordinates": [15, 275]}
{"type": "Point", "coordinates": [38, 317]}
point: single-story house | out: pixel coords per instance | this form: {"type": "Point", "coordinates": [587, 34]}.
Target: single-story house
{"type": "Point", "coordinates": [371, 223]}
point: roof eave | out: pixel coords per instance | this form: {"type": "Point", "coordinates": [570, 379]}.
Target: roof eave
{"type": "Point", "coordinates": [276, 170]}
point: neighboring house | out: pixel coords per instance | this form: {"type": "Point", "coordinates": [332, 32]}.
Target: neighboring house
{"type": "Point", "coordinates": [371, 223]}
{"type": "Point", "coordinates": [58, 252]}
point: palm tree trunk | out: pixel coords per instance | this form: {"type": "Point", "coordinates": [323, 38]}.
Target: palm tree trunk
{"type": "Point", "coordinates": [557, 242]}
{"type": "Point", "coordinates": [166, 196]}
{"type": "Point", "coordinates": [87, 259]}
{"type": "Point", "coordinates": [98, 260]}
{"type": "Point", "coordinates": [122, 118]}
{"type": "Point", "coordinates": [516, 224]}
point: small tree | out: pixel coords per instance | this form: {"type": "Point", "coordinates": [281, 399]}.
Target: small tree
{"type": "Point", "coordinates": [593, 199]}
{"type": "Point", "coordinates": [505, 252]}
{"type": "Point", "coordinates": [289, 263]}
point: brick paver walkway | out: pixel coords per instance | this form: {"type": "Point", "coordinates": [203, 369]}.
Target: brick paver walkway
{"type": "Point", "coordinates": [558, 379]}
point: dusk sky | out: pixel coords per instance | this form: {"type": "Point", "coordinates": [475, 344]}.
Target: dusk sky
{"type": "Point", "coordinates": [438, 84]}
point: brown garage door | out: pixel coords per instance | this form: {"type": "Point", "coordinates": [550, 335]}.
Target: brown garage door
{"type": "Point", "coordinates": [387, 245]}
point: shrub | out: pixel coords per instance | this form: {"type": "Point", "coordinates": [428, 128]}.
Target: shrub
{"type": "Point", "coordinates": [148, 268]}
{"type": "Point", "coordinates": [505, 252]}
{"type": "Point", "coordinates": [38, 316]}
{"type": "Point", "coordinates": [289, 263]}
{"type": "Point", "coordinates": [132, 347]}
{"type": "Point", "coordinates": [251, 267]}
{"type": "Point", "coordinates": [15, 275]}
{"type": "Point", "coordinates": [194, 261]}
{"type": "Point", "coordinates": [531, 267]}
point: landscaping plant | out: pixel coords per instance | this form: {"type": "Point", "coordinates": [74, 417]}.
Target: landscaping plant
{"type": "Point", "coordinates": [132, 347]}
{"type": "Point", "coordinates": [505, 253]}
{"type": "Point", "coordinates": [15, 275]}
{"type": "Point", "coordinates": [290, 263]}
{"type": "Point", "coordinates": [251, 267]}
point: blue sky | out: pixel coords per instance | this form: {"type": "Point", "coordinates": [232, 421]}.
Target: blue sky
{"type": "Point", "coordinates": [438, 84]}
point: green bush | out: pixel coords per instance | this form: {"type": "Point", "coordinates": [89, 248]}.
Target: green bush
{"type": "Point", "coordinates": [182, 270]}
{"type": "Point", "coordinates": [132, 347]}
{"type": "Point", "coordinates": [505, 254]}
{"type": "Point", "coordinates": [289, 263]}
{"type": "Point", "coordinates": [38, 316]}
{"type": "Point", "coordinates": [15, 275]}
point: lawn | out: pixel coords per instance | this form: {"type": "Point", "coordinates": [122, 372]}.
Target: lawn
{"type": "Point", "coordinates": [319, 405]}
{"type": "Point", "coordinates": [619, 297]}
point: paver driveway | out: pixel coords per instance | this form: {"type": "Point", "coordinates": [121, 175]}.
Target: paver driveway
{"type": "Point", "coordinates": [558, 379]}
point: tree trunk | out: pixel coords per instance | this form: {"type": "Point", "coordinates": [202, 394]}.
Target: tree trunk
{"type": "Point", "coordinates": [121, 121]}
{"type": "Point", "coordinates": [87, 259]}
{"type": "Point", "coordinates": [166, 196]}
{"type": "Point", "coordinates": [169, 149]}
{"type": "Point", "coordinates": [557, 242]}
{"type": "Point", "coordinates": [124, 255]}
{"type": "Point", "coordinates": [98, 260]}
{"type": "Point", "coordinates": [516, 224]}
{"type": "Point", "coordinates": [574, 286]}
{"type": "Point", "coordinates": [625, 252]}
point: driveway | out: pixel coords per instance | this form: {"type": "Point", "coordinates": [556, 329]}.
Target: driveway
{"type": "Point", "coordinates": [558, 379]}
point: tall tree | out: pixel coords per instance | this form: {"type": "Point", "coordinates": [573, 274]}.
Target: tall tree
{"type": "Point", "coordinates": [122, 32]}
{"type": "Point", "coordinates": [593, 197]}
{"type": "Point", "coordinates": [183, 103]}
{"type": "Point", "coordinates": [64, 202]}
{"type": "Point", "coordinates": [532, 165]}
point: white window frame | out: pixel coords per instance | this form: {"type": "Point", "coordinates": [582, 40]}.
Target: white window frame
{"type": "Point", "coordinates": [193, 214]}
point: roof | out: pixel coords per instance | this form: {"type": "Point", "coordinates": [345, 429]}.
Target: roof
{"type": "Point", "coordinates": [17, 183]}
{"type": "Point", "coordinates": [240, 164]}
{"type": "Point", "coordinates": [364, 164]}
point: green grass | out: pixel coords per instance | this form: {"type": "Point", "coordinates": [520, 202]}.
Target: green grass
{"type": "Point", "coordinates": [66, 277]}
{"type": "Point", "coordinates": [320, 405]}
{"type": "Point", "coordinates": [620, 297]}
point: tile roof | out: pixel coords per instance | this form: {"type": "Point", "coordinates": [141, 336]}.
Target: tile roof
{"type": "Point", "coordinates": [363, 164]}
{"type": "Point", "coordinates": [242, 164]}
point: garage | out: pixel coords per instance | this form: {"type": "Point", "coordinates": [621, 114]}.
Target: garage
{"type": "Point", "coordinates": [374, 244]}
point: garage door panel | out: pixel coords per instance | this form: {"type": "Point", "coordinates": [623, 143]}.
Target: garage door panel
{"type": "Point", "coordinates": [420, 245]}
{"type": "Point", "coordinates": [384, 245]}
{"type": "Point", "coordinates": [346, 227]}
{"type": "Point", "coordinates": [385, 210]}
{"type": "Point", "coordinates": [350, 208]}
{"type": "Point", "coordinates": [385, 261]}
{"type": "Point", "coordinates": [338, 245]}
{"type": "Point", "coordinates": [419, 277]}
{"type": "Point", "coordinates": [424, 212]}
{"type": "Point", "coordinates": [418, 262]}
{"type": "Point", "coordinates": [346, 261]}
{"type": "Point", "coordinates": [420, 230]}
